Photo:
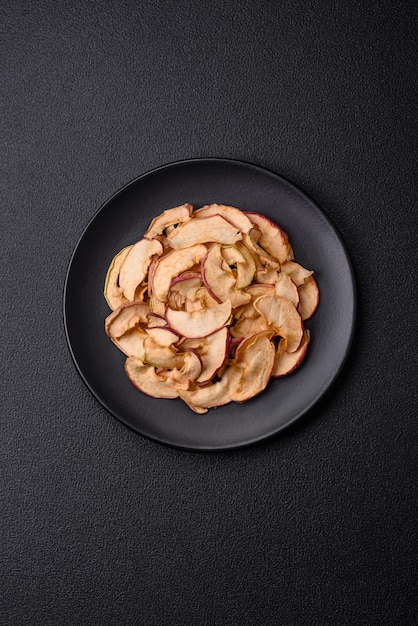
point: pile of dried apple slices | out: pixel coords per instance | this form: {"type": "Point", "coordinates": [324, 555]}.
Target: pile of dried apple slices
{"type": "Point", "coordinates": [209, 305]}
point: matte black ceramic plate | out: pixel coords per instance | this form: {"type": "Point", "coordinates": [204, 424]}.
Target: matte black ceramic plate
{"type": "Point", "coordinates": [124, 218]}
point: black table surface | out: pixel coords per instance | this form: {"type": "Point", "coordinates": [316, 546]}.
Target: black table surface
{"type": "Point", "coordinates": [101, 526]}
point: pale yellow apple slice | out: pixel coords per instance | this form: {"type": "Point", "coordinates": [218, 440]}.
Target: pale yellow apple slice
{"type": "Point", "coordinates": [161, 356]}
{"type": "Point", "coordinates": [273, 238]}
{"type": "Point", "coordinates": [162, 336]}
{"type": "Point", "coordinates": [232, 214]}
{"type": "Point", "coordinates": [199, 323]}
{"type": "Point", "coordinates": [264, 258]}
{"type": "Point", "coordinates": [286, 288]}
{"type": "Point", "coordinates": [255, 355]}
{"type": "Point", "coordinates": [176, 215]}
{"type": "Point", "coordinates": [186, 375]}
{"type": "Point", "coordinates": [260, 289]}
{"type": "Point", "coordinates": [283, 317]}
{"type": "Point", "coordinates": [203, 230]}
{"type": "Point", "coordinates": [201, 399]}
{"type": "Point", "coordinates": [112, 291]}
{"type": "Point", "coordinates": [286, 362]}
{"type": "Point", "coordinates": [240, 257]}
{"type": "Point", "coordinates": [219, 279]}
{"type": "Point", "coordinates": [171, 266]}
{"type": "Point", "coordinates": [309, 298]}
{"type": "Point", "coordinates": [267, 275]}
{"type": "Point", "coordinates": [137, 262]}
{"type": "Point", "coordinates": [213, 351]}
{"type": "Point", "coordinates": [297, 272]}
{"type": "Point", "coordinates": [132, 343]}
{"type": "Point", "coordinates": [126, 317]}
{"type": "Point", "coordinates": [148, 381]}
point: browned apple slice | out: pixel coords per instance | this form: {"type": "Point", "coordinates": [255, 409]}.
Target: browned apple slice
{"type": "Point", "coordinates": [126, 317]}
{"type": "Point", "coordinates": [309, 298]}
{"type": "Point", "coordinates": [136, 264]}
{"type": "Point", "coordinates": [146, 380]}
{"type": "Point", "coordinates": [112, 291]}
{"type": "Point", "coordinates": [214, 394]}
{"type": "Point", "coordinates": [286, 362]}
{"type": "Point", "coordinates": [297, 272]}
{"type": "Point", "coordinates": [199, 323]}
{"type": "Point", "coordinates": [273, 238]}
{"type": "Point", "coordinates": [173, 264]}
{"type": "Point", "coordinates": [283, 317]}
{"type": "Point", "coordinates": [202, 230]}
{"type": "Point", "coordinates": [219, 279]}
{"type": "Point", "coordinates": [213, 351]}
{"type": "Point", "coordinates": [176, 215]}
{"type": "Point", "coordinates": [232, 214]}
{"type": "Point", "coordinates": [255, 355]}
{"type": "Point", "coordinates": [286, 288]}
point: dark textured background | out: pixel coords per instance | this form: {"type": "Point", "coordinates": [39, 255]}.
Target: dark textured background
{"type": "Point", "coordinates": [101, 526]}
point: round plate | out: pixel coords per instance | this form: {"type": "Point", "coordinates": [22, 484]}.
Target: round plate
{"type": "Point", "coordinates": [123, 220]}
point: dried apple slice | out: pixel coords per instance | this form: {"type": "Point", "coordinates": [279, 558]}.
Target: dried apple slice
{"type": "Point", "coordinates": [219, 279]}
{"type": "Point", "coordinates": [162, 336]}
{"type": "Point", "coordinates": [148, 381]}
{"type": "Point", "coordinates": [215, 394]}
{"type": "Point", "coordinates": [173, 264]}
{"type": "Point", "coordinates": [264, 258]}
{"type": "Point", "coordinates": [199, 323]}
{"type": "Point", "coordinates": [176, 215]}
{"type": "Point", "coordinates": [240, 257]}
{"type": "Point", "coordinates": [286, 362]}
{"type": "Point", "coordinates": [297, 272]}
{"type": "Point", "coordinates": [112, 291]}
{"type": "Point", "coordinates": [232, 214]}
{"type": "Point", "coordinates": [286, 288]}
{"type": "Point", "coordinates": [309, 298]}
{"type": "Point", "coordinates": [267, 275]}
{"type": "Point", "coordinates": [136, 264]}
{"type": "Point", "coordinates": [273, 238]}
{"type": "Point", "coordinates": [213, 351]}
{"type": "Point", "coordinates": [260, 289]}
{"type": "Point", "coordinates": [186, 375]}
{"type": "Point", "coordinates": [283, 317]}
{"type": "Point", "coordinates": [203, 230]}
{"type": "Point", "coordinates": [161, 356]}
{"type": "Point", "coordinates": [255, 355]}
{"type": "Point", "coordinates": [126, 317]}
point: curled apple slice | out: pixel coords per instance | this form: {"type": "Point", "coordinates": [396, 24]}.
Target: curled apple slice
{"type": "Point", "coordinates": [220, 280]}
{"type": "Point", "coordinates": [283, 317]}
{"type": "Point", "coordinates": [173, 264]}
{"type": "Point", "coordinates": [286, 288]}
{"type": "Point", "coordinates": [199, 323]}
{"type": "Point", "coordinates": [286, 362]}
{"type": "Point", "coordinates": [112, 291]}
{"type": "Point", "coordinates": [309, 298]}
{"type": "Point", "coordinates": [297, 272]}
{"type": "Point", "coordinates": [255, 355]}
{"type": "Point", "coordinates": [185, 376]}
{"type": "Point", "coordinates": [170, 217]}
{"type": "Point", "coordinates": [203, 230]}
{"type": "Point", "coordinates": [235, 216]}
{"type": "Point", "coordinates": [148, 381]}
{"type": "Point", "coordinates": [136, 264]}
{"type": "Point", "coordinates": [126, 317]}
{"type": "Point", "coordinates": [264, 258]}
{"type": "Point", "coordinates": [162, 336]}
{"type": "Point", "coordinates": [273, 238]}
{"type": "Point", "coordinates": [214, 394]}
{"type": "Point", "coordinates": [213, 351]}
{"type": "Point", "coordinates": [240, 257]}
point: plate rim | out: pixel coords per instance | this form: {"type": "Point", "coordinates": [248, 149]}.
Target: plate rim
{"type": "Point", "coordinates": [259, 438]}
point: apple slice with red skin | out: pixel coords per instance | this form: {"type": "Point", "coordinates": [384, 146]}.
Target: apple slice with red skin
{"type": "Point", "coordinates": [161, 356]}
{"type": "Point", "coordinates": [182, 289]}
{"type": "Point", "coordinates": [264, 258]}
{"type": "Point", "coordinates": [173, 264]}
{"type": "Point", "coordinates": [145, 378]}
{"type": "Point", "coordinates": [176, 215]}
{"type": "Point", "coordinates": [112, 291]}
{"type": "Point", "coordinates": [126, 317]}
{"type": "Point", "coordinates": [240, 256]}
{"type": "Point", "coordinates": [260, 289]}
{"type": "Point", "coordinates": [309, 298]}
{"type": "Point", "coordinates": [214, 394]}
{"type": "Point", "coordinates": [235, 216]}
{"type": "Point", "coordinates": [297, 272]}
{"type": "Point", "coordinates": [255, 355]}
{"type": "Point", "coordinates": [213, 351]}
{"type": "Point", "coordinates": [203, 230]}
{"type": "Point", "coordinates": [273, 238]}
{"type": "Point", "coordinates": [199, 323]}
{"type": "Point", "coordinates": [286, 362]}
{"type": "Point", "coordinates": [286, 288]}
{"type": "Point", "coordinates": [219, 279]}
{"type": "Point", "coordinates": [136, 264]}
{"type": "Point", "coordinates": [282, 315]}
{"type": "Point", "coordinates": [185, 376]}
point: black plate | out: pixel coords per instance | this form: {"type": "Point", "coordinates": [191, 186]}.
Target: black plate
{"type": "Point", "coordinates": [124, 218]}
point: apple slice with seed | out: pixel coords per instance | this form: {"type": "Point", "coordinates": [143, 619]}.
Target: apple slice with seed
{"type": "Point", "coordinates": [202, 230]}
{"type": "Point", "coordinates": [136, 264]}
{"type": "Point", "coordinates": [309, 298]}
{"type": "Point", "coordinates": [199, 323]}
{"type": "Point", "coordinates": [286, 362]}
{"type": "Point", "coordinates": [283, 317]}
{"type": "Point", "coordinates": [112, 291]}
{"type": "Point", "coordinates": [255, 355]}
{"type": "Point", "coordinates": [148, 381]}
{"type": "Point", "coordinates": [273, 238]}
{"type": "Point", "coordinates": [173, 264]}
{"type": "Point", "coordinates": [235, 216]}
{"type": "Point", "coordinates": [214, 394]}
{"type": "Point", "coordinates": [176, 215]}
{"type": "Point", "coordinates": [213, 351]}
{"type": "Point", "coordinates": [286, 288]}
{"type": "Point", "coordinates": [219, 279]}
